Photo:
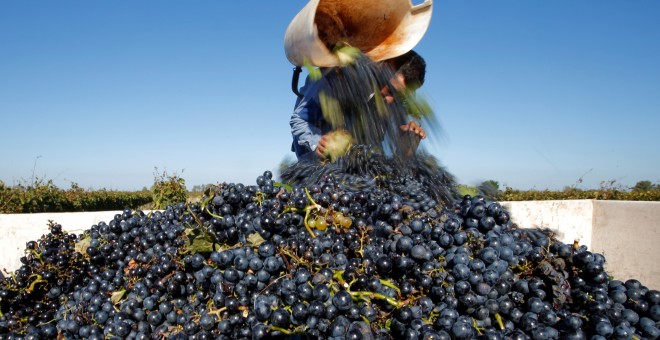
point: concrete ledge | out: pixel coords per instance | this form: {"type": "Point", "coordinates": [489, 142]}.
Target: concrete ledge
{"type": "Point", "coordinates": [627, 233]}
{"type": "Point", "coordinates": [18, 229]}
{"type": "Point", "coordinates": [570, 220]}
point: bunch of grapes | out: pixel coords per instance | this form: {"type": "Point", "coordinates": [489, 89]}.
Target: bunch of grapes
{"type": "Point", "coordinates": [320, 261]}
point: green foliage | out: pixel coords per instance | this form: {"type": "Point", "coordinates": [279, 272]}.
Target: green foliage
{"type": "Point", "coordinates": [490, 189]}
{"type": "Point", "coordinates": [510, 194]}
{"type": "Point", "coordinates": [467, 190]}
{"type": "Point", "coordinates": [168, 189]}
{"type": "Point", "coordinates": [44, 196]}
{"type": "Point", "coordinates": [495, 185]}
{"type": "Point", "coordinates": [642, 186]}
{"type": "Point", "coordinates": [608, 190]}
{"type": "Point", "coordinates": [8, 202]}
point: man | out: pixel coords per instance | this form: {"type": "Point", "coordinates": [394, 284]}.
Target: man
{"type": "Point", "coordinates": [310, 130]}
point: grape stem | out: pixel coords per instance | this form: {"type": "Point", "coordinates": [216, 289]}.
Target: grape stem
{"type": "Point", "coordinates": [338, 276]}
{"type": "Point", "coordinates": [390, 284]}
{"type": "Point", "coordinates": [37, 256]}
{"type": "Point", "coordinates": [498, 318]}
{"type": "Point", "coordinates": [475, 326]}
{"type": "Point", "coordinates": [34, 283]}
{"type": "Point", "coordinates": [201, 225]}
{"type": "Point", "coordinates": [292, 255]}
{"type": "Point", "coordinates": [313, 206]}
{"type": "Point", "coordinates": [270, 284]}
{"type": "Point", "coordinates": [286, 331]}
{"type": "Point", "coordinates": [366, 296]}
{"type": "Point", "coordinates": [208, 211]}
{"type": "Point", "coordinates": [259, 198]}
{"type": "Point", "coordinates": [218, 311]}
{"type": "Point", "coordinates": [363, 235]}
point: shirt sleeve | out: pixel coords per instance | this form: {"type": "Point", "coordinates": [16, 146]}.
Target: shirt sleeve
{"type": "Point", "coordinates": [305, 120]}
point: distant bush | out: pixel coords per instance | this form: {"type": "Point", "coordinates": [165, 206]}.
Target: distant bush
{"type": "Point", "coordinates": [8, 201]}
{"type": "Point", "coordinates": [608, 190]}
{"type": "Point", "coordinates": [467, 190]}
{"type": "Point", "coordinates": [168, 189]}
{"type": "Point", "coordinates": [44, 196]}
{"type": "Point", "coordinates": [576, 194]}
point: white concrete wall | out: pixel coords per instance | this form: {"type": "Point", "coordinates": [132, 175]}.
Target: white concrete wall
{"type": "Point", "coordinates": [18, 229]}
{"type": "Point", "coordinates": [570, 220]}
{"type": "Point", "coordinates": [627, 233]}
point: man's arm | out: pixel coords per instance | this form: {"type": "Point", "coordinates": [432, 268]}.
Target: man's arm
{"type": "Point", "coordinates": [304, 121]}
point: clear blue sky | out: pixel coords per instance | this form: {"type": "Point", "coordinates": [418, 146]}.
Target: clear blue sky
{"type": "Point", "coordinates": [532, 94]}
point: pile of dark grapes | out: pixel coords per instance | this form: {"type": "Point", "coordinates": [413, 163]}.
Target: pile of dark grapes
{"type": "Point", "coordinates": [319, 261]}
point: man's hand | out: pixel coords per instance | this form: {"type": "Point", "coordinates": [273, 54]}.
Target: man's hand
{"type": "Point", "coordinates": [411, 134]}
{"type": "Point", "coordinates": [322, 147]}
{"type": "Point", "coordinates": [414, 128]}
{"type": "Point", "coordinates": [333, 144]}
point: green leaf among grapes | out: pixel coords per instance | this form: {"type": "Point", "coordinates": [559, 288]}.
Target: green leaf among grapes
{"type": "Point", "coordinates": [200, 243]}
{"type": "Point", "coordinates": [283, 185]}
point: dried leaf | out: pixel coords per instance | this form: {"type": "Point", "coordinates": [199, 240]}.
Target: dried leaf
{"type": "Point", "coordinates": [82, 244]}
{"type": "Point", "coordinates": [255, 239]}
{"type": "Point", "coordinates": [132, 264]}
{"type": "Point", "coordinates": [116, 297]}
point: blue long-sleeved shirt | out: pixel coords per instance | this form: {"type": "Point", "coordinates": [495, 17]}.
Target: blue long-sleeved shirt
{"type": "Point", "coordinates": [307, 122]}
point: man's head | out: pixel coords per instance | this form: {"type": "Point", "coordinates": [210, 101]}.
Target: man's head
{"type": "Point", "coordinates": [411, 66]}
{"type": "Point", "coordinates": [410, 69]}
